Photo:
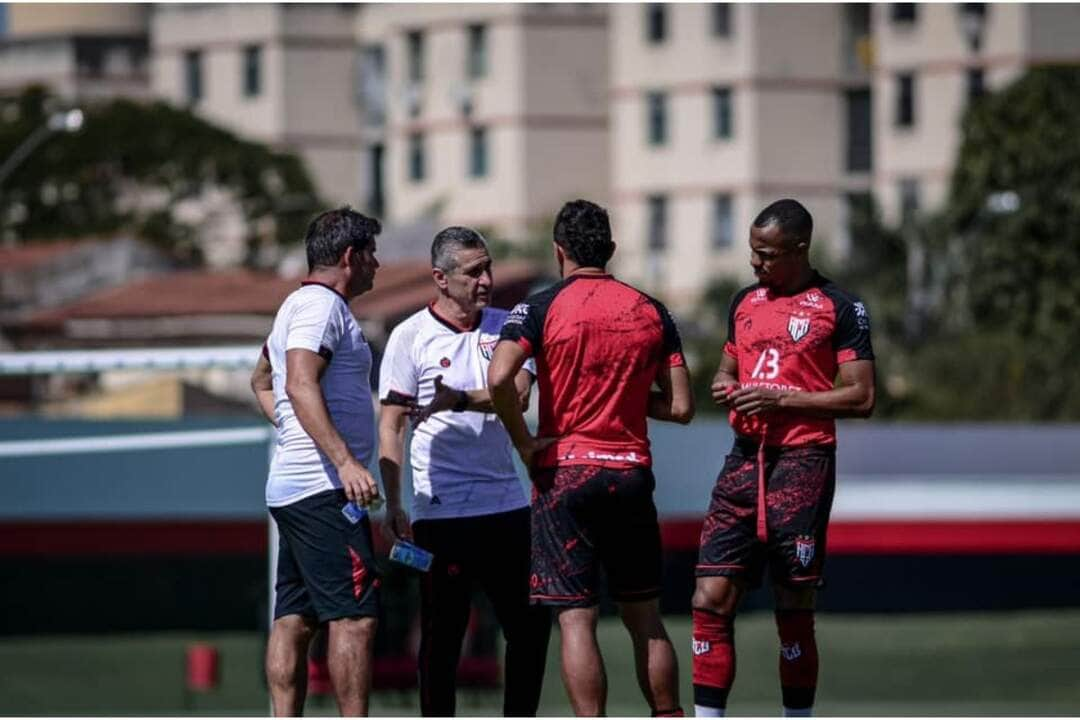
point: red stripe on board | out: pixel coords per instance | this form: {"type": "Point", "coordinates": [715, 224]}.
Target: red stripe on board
{"type": "Point", "coordinates": [134, 538]}
{"type": "Point", "coordinates": [244, 537]}
{"type": "Point", "coordinates": [921, 537]}
{"type": "Point", "coordinates": [142, 537]}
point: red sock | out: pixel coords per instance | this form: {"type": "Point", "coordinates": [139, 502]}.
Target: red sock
{"type": "Point", "coordinates": [714, 657]}
{"type": "Point", "coordinates": [798, 657]}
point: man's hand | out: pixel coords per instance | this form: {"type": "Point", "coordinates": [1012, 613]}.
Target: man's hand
{"type": "Point", "coordinates": [445, 398]}
{"type": "Point", "coordinates": [357, 482]}
{"type": "Point", "coordinates": [396, 524]}
{"type": "Point", "coordinates": [754, 400]}
{"type": "Point", "coordinates": [528, 448]}
{"type": "Point", "coordinates": [722, 389]}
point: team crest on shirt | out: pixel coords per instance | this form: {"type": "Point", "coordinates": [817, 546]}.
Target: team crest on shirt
{"type": "Point", "coordinates": [487, 345]}
{"type": "Point", "coordinates": [804, 549]}
{"type": "Point", "coordinates": [797, 327]}
{"type": "Point", "coordinates": [445, 362]}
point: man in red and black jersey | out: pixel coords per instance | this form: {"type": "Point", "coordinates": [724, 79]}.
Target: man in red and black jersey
{"type": "Point", "coordinates": [600, 345]}
{"type": "Point", "coordinates": [798, 356]}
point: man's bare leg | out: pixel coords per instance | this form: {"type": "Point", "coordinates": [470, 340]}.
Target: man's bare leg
{"type": "Point", "coordinates": [582, 667]}
{"type": "Point", "coordinates": [286, 663]}
{"type": "Point", "coordinates": [654, 657]}
{"type": "Point", "coordinates": [349, 657]}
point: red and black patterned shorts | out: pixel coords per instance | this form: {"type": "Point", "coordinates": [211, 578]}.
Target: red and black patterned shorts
{"type": "Point", "coordinates": [585, 517]}
{"type": "Point", "coordinates": [738, 539]}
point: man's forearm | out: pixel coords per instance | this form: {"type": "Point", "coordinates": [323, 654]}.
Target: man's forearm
{"type": "Point", "coordinates": [841, 402]}
{"type": "Point", "coordinates": [314, 418]}
{"type": "Point", "coordinates": [507, 405]}
{"type": "Point", "coordinates": [391, 454]}
{"type": "Point", "coordinates": [660, 406]}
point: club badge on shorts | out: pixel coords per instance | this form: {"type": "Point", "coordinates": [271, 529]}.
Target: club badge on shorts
{"type": "Point", "coordinates": [804, 549]}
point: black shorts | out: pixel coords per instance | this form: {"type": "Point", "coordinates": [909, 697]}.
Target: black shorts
{"type": "Point", "coordinates": [326, 565]}
{"type": "Point", "coordinates": [737, 540]}
{"type": "Point", "coordinates": [585, 517]}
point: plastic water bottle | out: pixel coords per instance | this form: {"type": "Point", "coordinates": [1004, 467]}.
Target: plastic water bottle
{"type": "Point", "coordinates": [411, 556]}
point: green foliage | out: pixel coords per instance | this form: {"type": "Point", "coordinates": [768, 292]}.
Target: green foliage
{"type": "Point", "coordinates": [1012, 270]}
{"type": "Point", "coordinates": [128, 167]}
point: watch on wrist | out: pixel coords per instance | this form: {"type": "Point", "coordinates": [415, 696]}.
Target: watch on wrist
{"type": "Point", "coordinates": [463, 402]}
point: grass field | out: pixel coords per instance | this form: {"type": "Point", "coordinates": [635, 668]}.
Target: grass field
{"type": "Point", "coordinates": [1024, 663]}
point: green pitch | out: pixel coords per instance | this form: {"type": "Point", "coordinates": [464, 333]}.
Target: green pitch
{"type": "Point", "coordinates": [1025, 663]}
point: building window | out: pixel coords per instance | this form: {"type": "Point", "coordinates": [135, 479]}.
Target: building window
{"type": "Point", "coordinates": [90, 59]}
{"type": "Point", "coordinates": [193, 89]}
{"type": "Point", "coordinates": [723, 226]}
{"type": "Point", "coordinates": [655, 23]}
{"type": "Point", "coordinates": [478, 152]}
{"type": "Point", "coordinates": [371, 85]}
{"type": "Point", "coordinates": [859, 144]}
{"type": "Point", "coordinates": [417, 164]}
{"type": "Point", "coordinates": [976, 83]}
{"type": "Point", "coordinates": [252, 70]}
{"type": "Point", "coordinates": [906, 13]}
{"type": "Point", "coordinates": [414, 48]}
{"type": "Point", "coordinates": [723, 122]}
{"type": "Point", "coordinates": [905, 100]}
{"type": "Point", "coordinates": [657, 239]}
{"type": "Point", "coordinates": [477, 57]}
{"type": "Point", "coordinates": [376, 189]}
{"type": "Point", "coordinates": [656, 118]}
{"type": "Point", "coordinates": [721, 19]}
{"type": "Point", "coordinates": [909, 200]}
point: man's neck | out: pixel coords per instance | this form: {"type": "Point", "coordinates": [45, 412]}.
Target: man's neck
{"type": "Point", "coordinates": [331, 278]}
{"type": "Point", "coordinates": [451, 311]}
{"type": "Point", "coordinates": [571, 268]}
{"type": "Point", "coordinates": [799, 282]}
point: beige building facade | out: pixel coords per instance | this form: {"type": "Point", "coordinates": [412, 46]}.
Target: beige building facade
{"type": "Point", "coordinates": [280, 74]}
{"type": "Point", "coordinates": [718, 109]}
{"type": "Point", "coordinates": [486, 115]}
{"type": "Point", "coordinates": [932, 61]}
{"type": "Point", "coordinates": [83, 52]}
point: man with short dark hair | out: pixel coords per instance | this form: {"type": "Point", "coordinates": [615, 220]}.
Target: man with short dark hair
{"type": "Point", "coordinates": [790, 336]}
{"type": "Point", "coordinates": [312, 383]}
{"type": "Point", "coordinates": [599, 346]}
{"type": "Point", "coordinates": [469, 510]}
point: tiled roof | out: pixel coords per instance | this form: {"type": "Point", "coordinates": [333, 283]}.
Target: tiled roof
{"type": "Point", "coordinates": [400, 288]}
{"type": "Point", "coordinates": [23, 257]}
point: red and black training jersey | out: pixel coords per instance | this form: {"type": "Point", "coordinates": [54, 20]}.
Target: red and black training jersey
{"type": "Point", "coordinates": [794, 342]}
{"type": "Point", "coordinates": [599, 345]}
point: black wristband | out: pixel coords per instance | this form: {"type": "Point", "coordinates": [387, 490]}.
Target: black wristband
{"type": "Point", "coordinates": [462, 404]}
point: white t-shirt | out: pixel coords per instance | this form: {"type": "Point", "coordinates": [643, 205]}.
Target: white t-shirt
{"type": "Point", "coordinates": [317, 318]}
{"type": "Point", "coordinates": [461, 461]}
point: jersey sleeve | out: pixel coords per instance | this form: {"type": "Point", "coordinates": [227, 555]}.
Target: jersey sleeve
{"type": "Point", "coordinates": [730, 348]}
{"type": "Point", "coordinates": [671, 343]}
{"type": "Point", "coordinates": [524, 325]}
{"type": "Point", "coordinates": [398, 371]}
{"type": "Point", "coordinates": [316, 325]}
{"type": "Point", "coordinates": [852, 337]}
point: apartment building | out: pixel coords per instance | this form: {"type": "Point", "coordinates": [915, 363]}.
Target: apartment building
{"type": "Point", "coordinates": [283, 74]}
{"type": "Point", "coordinates": [718, 109]}
{"type": "Point", "coordinates": [932, 61]}
{"type": "Point", "coordinates": [82, 52]}
{"type": "Point", "coordinates": [487, 115]}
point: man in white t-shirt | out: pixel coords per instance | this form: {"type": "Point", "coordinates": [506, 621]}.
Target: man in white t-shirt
{"type": "Point", "coordinates": [313, 384]}
{"type": "Point", "coordinates": [468, 507]}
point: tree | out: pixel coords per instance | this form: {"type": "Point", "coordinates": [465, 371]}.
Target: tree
{"type": "Point", "coordinates": [133, 166]}
{"type": "Point", "coordinates": [1012, 247]}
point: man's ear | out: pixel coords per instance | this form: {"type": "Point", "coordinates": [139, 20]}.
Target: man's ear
{"type": "Point", "coordinates": [347, 257]}
{"type": "Point", "coordinates": [439, 276]}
